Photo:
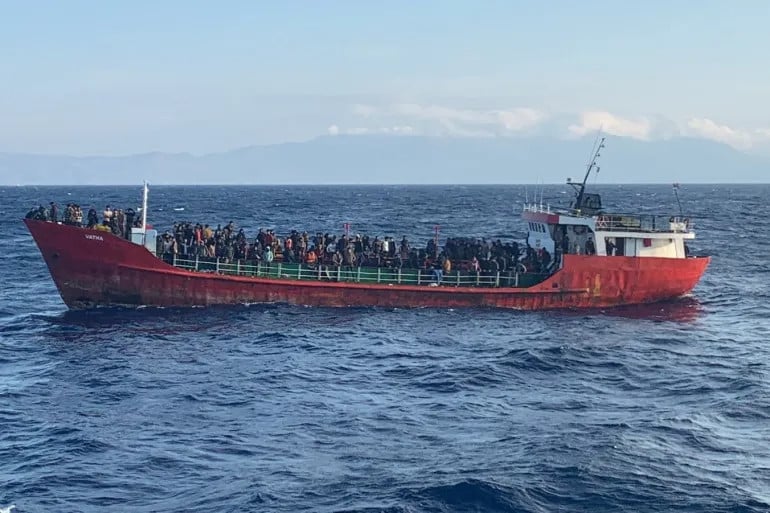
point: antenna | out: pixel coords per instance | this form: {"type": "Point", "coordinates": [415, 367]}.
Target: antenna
{"type": "Point", "coordinates": [144, 206]}
{"type": "Point", "coordinates": [593, 148]}
{"type": "Point", "coordinates": [541, 195]}
{"type": "Point", "coordinates": [145, 193]}
{"type": "Point", "coordinates": [436, 230]}
{"type": "Point", "coordinates": [595, 154]}
{"type": "Point", "coordinates": [676, 193]}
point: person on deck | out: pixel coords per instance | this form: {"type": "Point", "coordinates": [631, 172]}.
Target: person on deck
{"type": "Point", "coordinates": [610, 246]}
{"type": "Point", "coordinates": [404, 249]}
{"type": "Point", "coordinates": [311, 258]}
{"type": "Point", "coordinates": [590, 247]}
{"type": "Point", "coordinates": [288, 245]}
{"type": "Point", "coordinates": [92, 219]}
{"type": "Point", "coordinates": [576, 249]}
{"type": "Point", "coordinates": [545, 261]}
{"type": "Point", "coordinates": [130, 218]}
{"type": "Point", "coordinates": [438, 272]}
{"type": "Point", "coordinates": [446, 266]}
{"type": "Point", "coordinates": [268, 256]}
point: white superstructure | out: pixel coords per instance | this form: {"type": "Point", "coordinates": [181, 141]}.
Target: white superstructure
{"type": "Point", "coordinates": [585, 229]}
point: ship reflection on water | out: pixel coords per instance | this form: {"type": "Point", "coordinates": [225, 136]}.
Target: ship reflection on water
{"type": "Point", "coordinates": [685, 309]}
{"type": "Point", "coordinates": [168, 321]}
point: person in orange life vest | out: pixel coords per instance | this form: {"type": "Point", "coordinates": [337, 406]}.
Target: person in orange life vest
{"type": "Point", "coordinates": [311, 258]}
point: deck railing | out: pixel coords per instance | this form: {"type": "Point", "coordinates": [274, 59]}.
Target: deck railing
{"type": "Point", "coordinates": [371, 275]}
{"type": "Point", "coordinates": [538, 208]}
{"type": "Point", "coordinates": [624, 222]}
{"type": "Point", "coordinates": [643, 223]}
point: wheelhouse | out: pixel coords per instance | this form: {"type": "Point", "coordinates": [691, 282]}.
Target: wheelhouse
{"type": "Point", "coordinates": [585, 229]}
{"type": "Point", "coordinates": [561, 232]}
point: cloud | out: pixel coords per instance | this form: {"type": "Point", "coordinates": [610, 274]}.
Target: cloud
{"type": "Point", "coordinates": [463, 121]}
{"type": "Point", "coordinates": [520, 119]}
{"type": "Point", "coordinates": [593, 121]}
{"type": "Point", "coordinates": [360, 130]}
{"type": "Point", "coordinates": [413, 118]}
{"type": "Point", "coordinates": [649, 128]}
{"type": "Point", "coordinates": [443, 120]}
{"type": "Point", "coordinates": [708, 129]}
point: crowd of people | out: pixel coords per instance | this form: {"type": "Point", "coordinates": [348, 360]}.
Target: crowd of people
{"type": "Point", "coordinates": [116, 221]}
{"type": "Point", "coordinates": [230, 244]}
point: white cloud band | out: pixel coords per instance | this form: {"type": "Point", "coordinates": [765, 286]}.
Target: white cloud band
{"type": "Point", "coordinates": [441, 120]}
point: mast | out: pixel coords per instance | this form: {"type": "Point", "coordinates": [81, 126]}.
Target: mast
{"type": "Point", "coordinates": [580, 188]}
{"type": "Point", "coordinates": [145, 192]}
{"type": "Point", "coordinates": [144, 207]}
{"type": "Point", "coordinates": [436, 230]}
{"type": "Point", "coordinates": [676, 193]}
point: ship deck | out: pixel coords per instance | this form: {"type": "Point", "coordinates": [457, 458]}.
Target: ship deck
{"type": "Point", "coordinates": [363, 275]}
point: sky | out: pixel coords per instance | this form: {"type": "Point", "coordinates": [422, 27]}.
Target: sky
{"type": "Point", "coordinates": [113, 78]}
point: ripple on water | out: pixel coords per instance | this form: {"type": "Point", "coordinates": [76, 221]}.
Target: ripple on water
{"type": "Point", "coordinates": [278, 408]}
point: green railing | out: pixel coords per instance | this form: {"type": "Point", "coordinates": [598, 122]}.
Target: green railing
{"type": "Point", "coordinates": [372, 275]}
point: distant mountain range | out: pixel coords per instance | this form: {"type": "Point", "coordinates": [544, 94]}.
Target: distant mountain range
{"type": "Point", "coordinates": [370, 159]}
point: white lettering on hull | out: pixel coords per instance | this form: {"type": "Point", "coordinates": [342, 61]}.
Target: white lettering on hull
{"type": "Point", "coordinates": [91, 236]}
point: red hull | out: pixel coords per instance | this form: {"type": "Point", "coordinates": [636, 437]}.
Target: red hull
{"type": "Point", "coordinates": [106, 270]}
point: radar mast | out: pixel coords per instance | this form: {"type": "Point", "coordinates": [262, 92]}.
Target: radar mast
{"type": "Point", "coordinates": [580, 196]}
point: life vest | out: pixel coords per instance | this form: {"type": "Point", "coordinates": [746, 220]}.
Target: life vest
{"type": "Point", "coordinates": [311, 257]}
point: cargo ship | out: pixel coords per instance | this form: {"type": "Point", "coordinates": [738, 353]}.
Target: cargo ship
{"type": "Point", "coordinates": [595, 259]}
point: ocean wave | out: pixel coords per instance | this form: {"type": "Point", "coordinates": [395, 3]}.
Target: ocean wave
{"type": "Point", "coordinates": [653, 408]}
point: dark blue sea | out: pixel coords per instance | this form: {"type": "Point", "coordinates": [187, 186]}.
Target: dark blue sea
{"type": "Point", "coordinates": [284, 408]}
